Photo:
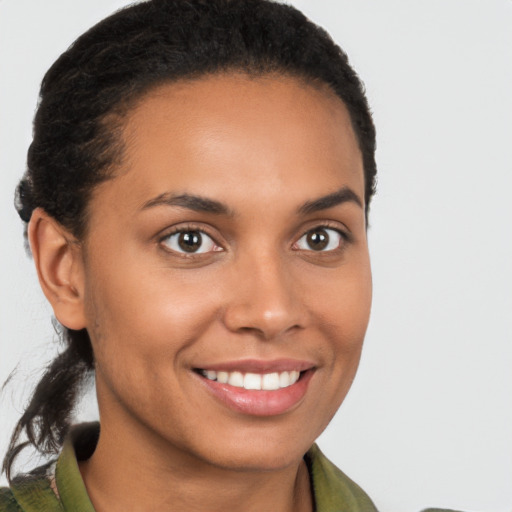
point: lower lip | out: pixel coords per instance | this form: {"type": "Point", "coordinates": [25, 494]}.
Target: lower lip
{"type": "Point", "coordinates": [260, 403]}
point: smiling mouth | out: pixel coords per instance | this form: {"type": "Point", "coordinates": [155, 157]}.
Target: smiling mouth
{"type": "Point", "coordinates": [258, 388]}
{"type": "Point", "coordinates": [271, 381]}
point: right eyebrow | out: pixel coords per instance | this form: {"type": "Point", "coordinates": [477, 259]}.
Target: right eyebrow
{"type": "Point", "coordinates": [189, 201]}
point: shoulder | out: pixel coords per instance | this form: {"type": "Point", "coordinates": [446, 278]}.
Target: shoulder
{"type": "Point", "coordinates": [7, 501]}
{"type": "Point", "coordinates": [56, 486]}
{"type": "Point", "coordinates": [332, 489]}
{"type": "Point", "coordinates": [29, 493]}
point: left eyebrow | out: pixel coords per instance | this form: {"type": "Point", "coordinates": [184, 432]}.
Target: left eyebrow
{"type": "Point", "coordinates": [343, 195]}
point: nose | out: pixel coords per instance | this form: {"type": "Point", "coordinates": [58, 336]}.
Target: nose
{"type": "Point", "coordinates": [265, 299]}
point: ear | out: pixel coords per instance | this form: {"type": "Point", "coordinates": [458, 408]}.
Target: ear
{"type": "Point", "coordinates": [58, 259]}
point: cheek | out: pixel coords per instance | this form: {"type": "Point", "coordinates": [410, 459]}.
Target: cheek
{"type": "Point", "coordinates": [140, 316]}
{"type": "Point", "coordinates": [342, 313]}
{"type": "Point", "coordinates": [142, 327]}
{"type": "Point", "coordinates": [345, 307]}
{"type": "Point", "coordinates": [145, 315]}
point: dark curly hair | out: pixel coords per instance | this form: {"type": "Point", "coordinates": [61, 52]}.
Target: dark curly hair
{"type": "Point", "coordinates": [85, 96]}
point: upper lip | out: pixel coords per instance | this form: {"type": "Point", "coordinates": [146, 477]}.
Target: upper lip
{"type": "Point", "coordinates": [260, 366]}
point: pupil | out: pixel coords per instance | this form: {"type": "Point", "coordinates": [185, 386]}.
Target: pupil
{"type": "Point", "coordinates": [318, 240]}
{"type": "Point", "coordinates": [190, 241]}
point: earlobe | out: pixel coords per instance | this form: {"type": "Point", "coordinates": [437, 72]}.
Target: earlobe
{"type": "Point", "coordinates": [57, 256]}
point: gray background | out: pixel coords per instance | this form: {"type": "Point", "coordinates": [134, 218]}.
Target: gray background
{"type": "Point", "coordinates": [429, 419]}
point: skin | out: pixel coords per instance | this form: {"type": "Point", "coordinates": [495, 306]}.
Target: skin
{"type": "Point", "coordinates": [263, 147]}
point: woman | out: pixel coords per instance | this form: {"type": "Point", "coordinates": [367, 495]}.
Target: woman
{"type": "Point", "coordinates": [197, 196]}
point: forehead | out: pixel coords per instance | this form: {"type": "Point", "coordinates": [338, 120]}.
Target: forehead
{"type": "Point", "coordinates": [269, 133]}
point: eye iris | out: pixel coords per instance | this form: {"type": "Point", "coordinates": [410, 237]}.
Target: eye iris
{"type": "Point", "coordinates": [190, 241]}
{"type": "Point", "coordinates": [318, 239]}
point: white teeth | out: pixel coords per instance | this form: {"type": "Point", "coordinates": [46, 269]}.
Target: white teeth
{"type": "Point", "coordinates": [236, 379]}
{"type": "Point", "coordinates": [211, 374]}
{"type": "Point", "coordinates": [284, 380]}
{"type": "Point", "coordinates": [254, 381]}
{"type": "Point", "coordinates": [270, 381]}
{"type": "Point", "coordinates": [222, 377]}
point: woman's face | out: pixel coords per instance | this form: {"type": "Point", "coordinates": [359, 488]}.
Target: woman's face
{"type": "Point", "coordinates": [229, 253]}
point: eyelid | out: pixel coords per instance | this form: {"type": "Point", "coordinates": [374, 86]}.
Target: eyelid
{"type": "Point", "coordinates": [183, 228]}
{"type": "Point", "coordinates": [333, 226]}
{"type": "Point", "coordinates": [328, 224]}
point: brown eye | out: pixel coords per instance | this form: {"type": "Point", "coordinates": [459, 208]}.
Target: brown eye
{"type": "Point", "coordinates": [320, 239]}
{"type": "Point", "coordinates": [317, 240]}
{"type": "Point", "coordinates": [191, 242]}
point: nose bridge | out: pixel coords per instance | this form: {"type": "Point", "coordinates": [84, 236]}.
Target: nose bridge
{"type": "Point", "coordinates": [264, 298]}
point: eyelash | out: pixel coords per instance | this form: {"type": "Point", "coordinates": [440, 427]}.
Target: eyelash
{"type": "Point", "coordinates": [344, 239]}
{"type": "Point", "coordinates": [188, 229]}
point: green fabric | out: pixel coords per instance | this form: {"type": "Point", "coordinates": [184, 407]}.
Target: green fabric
{"type": "Point", "coordinates": [30, 493]}
{"type": "Point", "coordinates": [69, 481]}
{"type": "Point", "coordinates": [333, 491]}
{"type": "Point", "coordinates": [33, 493]}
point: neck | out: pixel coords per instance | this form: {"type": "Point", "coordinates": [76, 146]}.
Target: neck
{"type": "Point", "coordinates": [122, 474]}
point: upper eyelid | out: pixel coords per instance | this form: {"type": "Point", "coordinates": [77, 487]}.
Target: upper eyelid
{"type": "Point", "coordinates": [166, 233]}
{"type": "Point", "coordinates": [325, 226]}
{"type": "Point", "coordinates": [335, 226]}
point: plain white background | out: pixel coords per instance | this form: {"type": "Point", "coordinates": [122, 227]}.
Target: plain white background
{"type": "Point", "coordinates": [429, 419]}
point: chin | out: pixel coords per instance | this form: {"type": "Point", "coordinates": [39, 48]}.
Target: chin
{"type": "Point", "coordinates": [257, 460]}
{"type": "Point", "coordinates": [262, 450]}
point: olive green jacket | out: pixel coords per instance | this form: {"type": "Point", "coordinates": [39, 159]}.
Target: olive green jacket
{"type": "Point", "coordinates": [333, 490]}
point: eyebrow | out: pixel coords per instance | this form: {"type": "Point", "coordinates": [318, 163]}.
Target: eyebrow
{"type": "Point", "coordinates": [343, 195]}
{"type": "Point", "coordinates": [191, 202]}
{"type": "Point", "coordinates": [206, 205]}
